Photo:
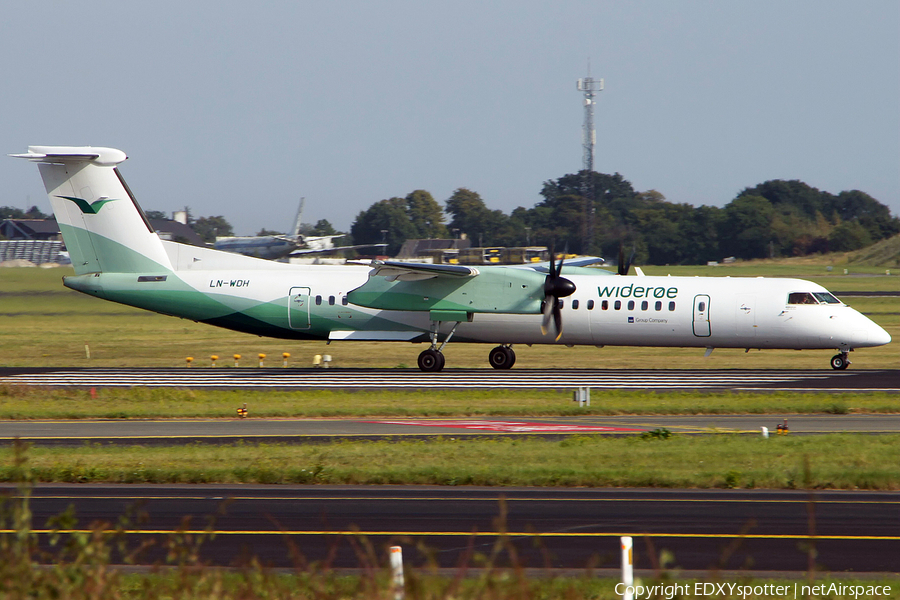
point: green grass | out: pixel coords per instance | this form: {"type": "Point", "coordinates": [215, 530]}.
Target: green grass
{"type": "Point", "coordinates": [140, 403]}
{"type": "Point", "coordinates": [836, 461]}
{"type": "Point", "coordinates": [44, 324]}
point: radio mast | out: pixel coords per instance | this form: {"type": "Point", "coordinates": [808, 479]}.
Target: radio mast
{"type": "Point", "coordinates": [589, 87]}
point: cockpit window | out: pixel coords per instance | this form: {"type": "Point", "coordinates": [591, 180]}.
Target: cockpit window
{"type": "Point", "coordinates": [826, 298]}
{"type": "Point", "coordinates": [802, 298]}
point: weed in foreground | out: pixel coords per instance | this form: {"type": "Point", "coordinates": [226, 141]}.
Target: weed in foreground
{"type": "Point", "coordinates": [84, 563]}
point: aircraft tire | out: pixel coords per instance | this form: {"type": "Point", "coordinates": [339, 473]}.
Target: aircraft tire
{"type": "Point", "coordinates": [840, 362]}
{"type": "Point", "coordinates": [502, 357]}
{"type": "Point", "coordinates": [431, 361]}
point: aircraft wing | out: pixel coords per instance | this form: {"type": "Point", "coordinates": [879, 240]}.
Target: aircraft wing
{"type": "Point", "coordinates": [581, 261]}
{"type": "Point", "coordinates": [303, 251]}
{"type": "Point", "coordinates": [402, 271]}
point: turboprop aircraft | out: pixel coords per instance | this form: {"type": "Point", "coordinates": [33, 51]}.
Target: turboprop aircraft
{"type": "Point", "coordinates": [118, 257]}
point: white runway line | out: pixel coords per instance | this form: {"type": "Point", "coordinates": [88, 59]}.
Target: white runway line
{"type": "Point", "coordinates": [333, 379]}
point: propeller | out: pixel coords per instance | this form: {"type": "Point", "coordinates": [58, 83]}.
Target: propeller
{"type": "Point", "coordinates": [625, 266]}
{"type": "Point", "coordinates": [555, 287]}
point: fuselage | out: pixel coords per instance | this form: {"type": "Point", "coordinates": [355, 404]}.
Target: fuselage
{"type": "Point", "coordinates": [311, 302]}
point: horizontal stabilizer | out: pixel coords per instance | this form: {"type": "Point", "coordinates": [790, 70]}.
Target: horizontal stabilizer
{"type": "Point", "coordinates": [63, 154]}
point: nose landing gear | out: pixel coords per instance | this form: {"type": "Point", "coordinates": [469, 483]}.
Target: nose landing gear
{"type": "Point", "coordinates": [840, 361]}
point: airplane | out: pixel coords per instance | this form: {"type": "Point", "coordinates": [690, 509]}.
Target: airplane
{"type": "Point", "coordinates": [273, 247]}
{"type": "Point", "coordinates": [118, 257]}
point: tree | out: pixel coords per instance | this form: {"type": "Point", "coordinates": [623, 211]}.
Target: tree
{"type": "Point", "coordinates": [35, 213]}
{"type": "Point", "coordinates": [323, 227]}
{"type": "Point", "coordinates": [387, 221]}
{"type": "Point", "coordinates": [425, 215]}
{"type": "Point", "coordinates": [11, 212]}
{"type": "Point", "coordinates": [156, 214]}
{"type": "Point", "coordinates": [747, 227]}
{"type": "Point", "coordinates": [472, 217]}
{"type": "Point", "coordinates": [849, 235]}
{"type": "Point", "coordinates": [807, 199]}
{"type": "Point", "coordinates": [871, 214]}
{"type": "Point", "coordinates": [209, 228]}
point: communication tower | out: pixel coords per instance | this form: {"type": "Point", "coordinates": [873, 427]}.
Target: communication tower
{"type": "Point", "coordinates": [589, 87]}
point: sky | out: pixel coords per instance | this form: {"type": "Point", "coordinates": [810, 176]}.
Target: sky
{"type": "Point", "coordinates": [238, 109]}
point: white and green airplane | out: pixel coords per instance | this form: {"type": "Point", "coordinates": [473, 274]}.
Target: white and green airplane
{"type": "Point", "coordinates": [117, 256]}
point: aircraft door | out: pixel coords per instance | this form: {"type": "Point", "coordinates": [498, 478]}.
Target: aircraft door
{"type": "Point", "coordinates": [701, 316]}
{"type": "Point", "coordinates": [298, 308]}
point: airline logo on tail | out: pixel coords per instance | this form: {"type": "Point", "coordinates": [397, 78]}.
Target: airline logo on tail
{"type": "Point", "coordinates": [88, 209]}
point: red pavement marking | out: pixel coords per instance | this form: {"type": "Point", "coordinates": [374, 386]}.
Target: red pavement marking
{"type": "Point", "coordinates": [507, 426]}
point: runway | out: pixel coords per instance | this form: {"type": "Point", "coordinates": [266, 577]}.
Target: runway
{"type": "Point", "coordinates": [732, 379]}
{"type": "Point", "coordinates": [309, 431]}
{"type": "Point", "coordinates": [548, 527]}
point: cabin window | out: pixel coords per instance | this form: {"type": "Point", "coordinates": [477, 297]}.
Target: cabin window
{"type": "Point", "coordinates": [330, 300]}
{"type": "Point", "coordinates": [658, 305]}
{"type": "Point", "coordinates": [631, 305]}
{"type": "Point", "coordinates": [671, 306]}
{"type": "Point", "coordinates": [645, 305]}
{"type": "Point", "coordinates": [802, 298]}
{"type": "Point", "coordinates": [574, 304]}
{"type": "Point", "coordinates": [701, 306]}
{"type": "Point", "coordinates": [604, 305]}
{"type": "Point", "coordinates": [345, 301]}
{"type": "Point", "coordinates": [590, 305]}
{"type": "Point", "coordinates": [826, 298]}
{"type": "Point", "coordinates": [318, 300]}
{"type": "Point", "coordinates": [617, 305]}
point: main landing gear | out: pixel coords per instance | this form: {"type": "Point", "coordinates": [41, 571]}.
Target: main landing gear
{"type": "Point", "coordinates": [432, 359]}
{"type": "Point", "coordinates": [840, 361]}
{"type": "Point", "coordinates": [502, 357]}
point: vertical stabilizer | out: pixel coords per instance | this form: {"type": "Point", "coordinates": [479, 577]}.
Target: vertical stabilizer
{"type": "Point", "coordinates": [102, 224]}
{"type": "Point", "coordinates": [298, 221]}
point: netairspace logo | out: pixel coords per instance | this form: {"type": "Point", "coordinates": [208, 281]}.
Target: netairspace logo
{"type": "Point", "coordinates": [735, 590]}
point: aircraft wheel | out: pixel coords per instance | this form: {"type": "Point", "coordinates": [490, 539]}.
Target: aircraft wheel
{"type": "Point", "coordinates": [840, 362]}
{"type": "Point", "coordinates": [431, 361]}
{"type": "Point", "coordinates": [502, 357]}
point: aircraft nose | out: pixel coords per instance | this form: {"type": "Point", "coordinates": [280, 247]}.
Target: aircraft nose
{"type": "Point", "coordinates": [878, 336]}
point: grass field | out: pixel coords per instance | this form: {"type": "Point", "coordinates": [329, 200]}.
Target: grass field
{"type": "Point", "coordinates": [837, 461]}
{"type": "Point", "coordinates": [44, 324]}
{"type": "Point", "coordinates": [165, 403]}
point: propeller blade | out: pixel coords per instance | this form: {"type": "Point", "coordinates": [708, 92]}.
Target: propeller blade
{"type": "Point", "coordinates": [557, 320]}
{"type": "Point", "coordinates": [547, 310]}
{"type": "Point", "coordinates": [555, 287]}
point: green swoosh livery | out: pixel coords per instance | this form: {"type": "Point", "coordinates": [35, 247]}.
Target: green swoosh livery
{"type": "Point", "coordinates": [88, 209]}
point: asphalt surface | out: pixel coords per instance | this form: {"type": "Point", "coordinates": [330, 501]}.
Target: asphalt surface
{"type": "Point", "coordinates": [228, 378]}
{"type": "Point", "coordinates": [556, 528]}
{"type": "Point", "coordinates": [305, 431]}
